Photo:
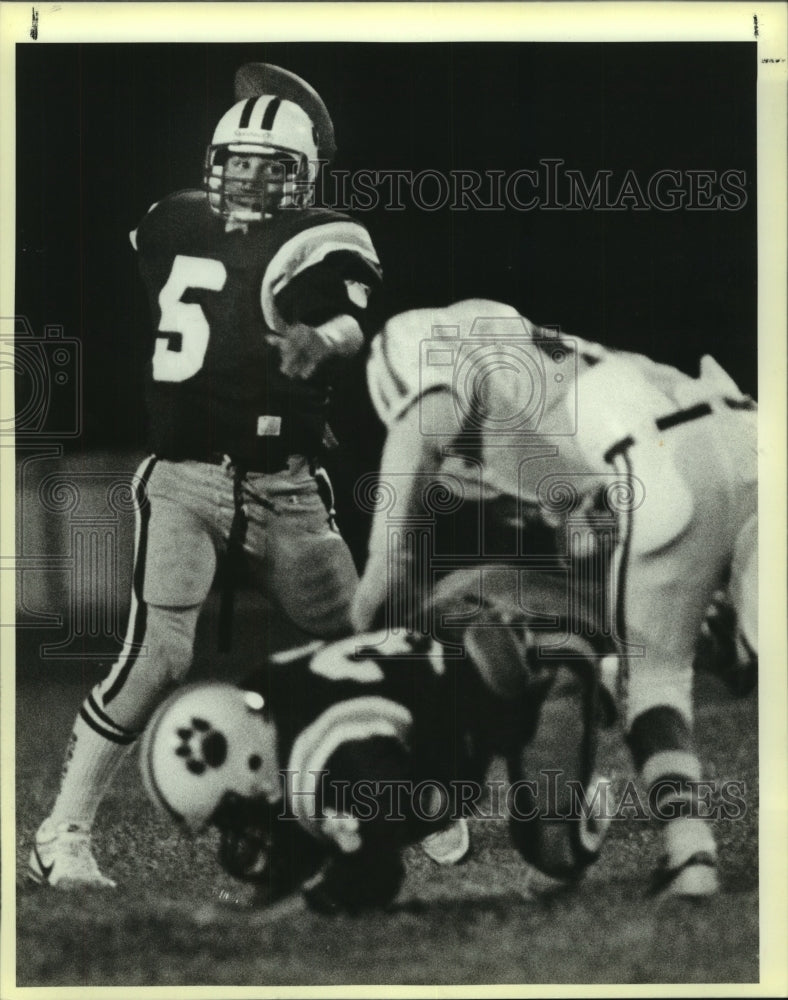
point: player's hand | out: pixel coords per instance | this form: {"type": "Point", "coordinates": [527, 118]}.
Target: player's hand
{"type": "Point", "coordinates": [301, 351]}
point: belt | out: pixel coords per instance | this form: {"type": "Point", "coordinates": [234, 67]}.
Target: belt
{"type": "Point", "coordinates": [700, 410]}
{"type": "Point", "coordinates": [682, 417]}
{"type": "Point", "coordinates": [267, 463]}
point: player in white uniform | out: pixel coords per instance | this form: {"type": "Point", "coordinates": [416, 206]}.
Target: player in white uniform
{"type": "Point", "coordinates": [516, 427]}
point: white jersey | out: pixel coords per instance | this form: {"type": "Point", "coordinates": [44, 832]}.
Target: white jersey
{"type": "Point", "coordinates": [554, 421]}
{"type": "Point", "coordinates": [530, 404]}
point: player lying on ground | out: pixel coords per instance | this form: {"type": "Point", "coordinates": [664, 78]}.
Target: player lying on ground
{"type": "Point", "coordinates": [255, 297]}
{"type": "Point", "coordinates": [327, 762]}
{"type": "Point", "coordinates": [495, 427]}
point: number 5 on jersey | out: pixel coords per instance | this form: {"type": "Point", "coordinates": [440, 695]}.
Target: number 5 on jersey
{"type": "Point", "coordinates": [177, 363]}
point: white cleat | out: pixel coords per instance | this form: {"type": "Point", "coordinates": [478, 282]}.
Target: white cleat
{"type": "Point", "coordinates": [696, 878]}
{"type": "Point", "coordinates": [594, 827]}
{"type": "Point", "coordinates": [61, 858]}
{"type": "Point", "coordinates": [449, 845]}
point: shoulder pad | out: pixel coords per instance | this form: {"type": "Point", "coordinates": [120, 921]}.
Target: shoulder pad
{"type": "Point", "coordinates": [316, 234]}
{"type": "Point", "coordinates": [168, 212]}
{"type": "Point", "coordinates": [352, 720]}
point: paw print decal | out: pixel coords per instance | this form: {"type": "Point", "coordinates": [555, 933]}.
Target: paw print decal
{"type": "Point", "coordinates": [201, 746]}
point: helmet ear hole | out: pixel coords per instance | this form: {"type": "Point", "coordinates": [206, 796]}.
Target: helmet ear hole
{"type": "Point", "coordinates": [255, 762]}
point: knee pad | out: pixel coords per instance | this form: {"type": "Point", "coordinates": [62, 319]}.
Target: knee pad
{"type": "Point", "coordinates": [170, 640]}
{"type": "Point", "coordinates": [145, 672]}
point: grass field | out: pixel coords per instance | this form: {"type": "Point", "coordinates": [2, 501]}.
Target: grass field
{"type": "Point", "coordinates": [473, 924]}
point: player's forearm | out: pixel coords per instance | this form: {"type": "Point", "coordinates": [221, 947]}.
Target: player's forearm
{"type": "Point", "coordinates": [408, 464]}
{"type": "Point", "coordinates": [304, 349]}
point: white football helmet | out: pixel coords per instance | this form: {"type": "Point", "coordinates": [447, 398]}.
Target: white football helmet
{"type": "Point", "coordinates": [281, 139]}
{"type": "Point", "coordinates": [407, 361]}
{"type": "Point", "coordinates": [205, 743]}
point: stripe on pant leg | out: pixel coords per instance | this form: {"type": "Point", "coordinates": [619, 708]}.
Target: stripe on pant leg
{"type": "Point", "coordinates": [138, 616]}
{"type": "Point", "coordinates": [91, 707]}
{"type": "Point", "coordinates": [620, 459]}
{"type": "Point", "coordinates": [106, 732]}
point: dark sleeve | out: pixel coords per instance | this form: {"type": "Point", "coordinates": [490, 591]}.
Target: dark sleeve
{"type": "Point", "coordinates": [295, 857]}
{"type": "Point", "coordinates": [340, 284]}
{"type": "Point", "coordinates": [277, 857]}
{"type": "Point", "coordinates": [354, 883]}
{"type": "Point", "coordinates": [374, 778]}
{"type": "Point", "coordinates": [167, 219]}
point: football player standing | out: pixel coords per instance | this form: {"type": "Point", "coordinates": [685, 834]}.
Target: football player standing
{"type": "Point", "coordinates": [522, 428]}
{"type": "Point", "coordinates": [255, 298]}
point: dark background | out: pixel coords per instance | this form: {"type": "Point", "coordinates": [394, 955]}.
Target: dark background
{"type": "Point", "coordinates": [105, 130]}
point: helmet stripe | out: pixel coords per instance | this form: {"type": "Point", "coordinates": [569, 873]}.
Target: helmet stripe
{"type": "Point", "coordinates": [246, 114]}
{"type": "Point", "coordinates": [270, 114]}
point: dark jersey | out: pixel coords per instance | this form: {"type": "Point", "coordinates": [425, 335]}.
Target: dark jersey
{"type": "Point", "coordinates": [362, 709]}
{"type": "Point", "coordinates": [376, 739]}
{"type": "Point", "coordinates": [215, 292]}
{"type": "Point", "coordinates": [382, 739]}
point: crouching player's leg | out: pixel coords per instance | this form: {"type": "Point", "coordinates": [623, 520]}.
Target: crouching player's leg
{"type": "Point", "coordinates": [664, 592]}
{"type": "Point", "coordinates": [540, 706]}
{"type": "Point", "coordinates": [660, 722]}
{"type": "Point", "coordinates": [662, 746]}
{"type": "Point", "coordinates": [663, 615]}
{"type": "Point", "coordinates": [559, 809]}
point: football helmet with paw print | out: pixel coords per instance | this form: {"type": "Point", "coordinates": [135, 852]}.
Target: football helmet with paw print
{"type": "Point", "coordinates": [206, 745]}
